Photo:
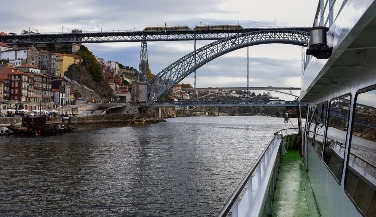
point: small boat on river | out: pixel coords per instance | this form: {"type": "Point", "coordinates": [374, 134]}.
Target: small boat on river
{"type": "Point", "coordinates": [4, 131]}
{"type": "Point", "coordinates": [40, 125]}
{"type": "Point", "coordinates": [138, 121]}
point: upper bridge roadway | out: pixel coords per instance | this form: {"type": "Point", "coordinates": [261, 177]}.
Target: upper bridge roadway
{"type": "Point", "coordinates": [141, 36]}
{"type": "Point", "coordinates": [243, 88]}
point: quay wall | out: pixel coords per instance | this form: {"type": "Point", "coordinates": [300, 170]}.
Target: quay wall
{"type": "Point", "coordinates": [91, 119]}
{"type": "Point", "coordinates": [111, 118]}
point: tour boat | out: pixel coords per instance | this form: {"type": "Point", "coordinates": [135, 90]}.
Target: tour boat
{"type": "Point", "coordinates": [327, 166]}
{"type": "Point", "coordinates": [40, 125]}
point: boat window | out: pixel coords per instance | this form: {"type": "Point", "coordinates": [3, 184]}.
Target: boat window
{"type": "Point", "coordinates": [317, 128]}
{"type": "Point", "coordinates": [361, 173]}
{"type": "Point", "coordinates": [307, 125]}
{"type": "Point", "coordinates": [320, 128]}
{"type": "Point", "coordinates": [312, 116]}
{"type": "Point", "coordinates": [334, 150]}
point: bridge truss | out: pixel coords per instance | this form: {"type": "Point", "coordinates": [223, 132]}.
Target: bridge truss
{"type": "Point", "coordinates": [134, 36]}
{"type": "Point", "coordinates": [165, 80]}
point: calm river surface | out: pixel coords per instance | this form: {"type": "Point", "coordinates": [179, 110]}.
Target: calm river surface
{"type": "Point", "coordinates": [182, 167]}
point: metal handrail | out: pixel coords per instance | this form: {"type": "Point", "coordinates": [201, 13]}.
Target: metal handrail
{"type": "Point", "coordinates": [234, 196]}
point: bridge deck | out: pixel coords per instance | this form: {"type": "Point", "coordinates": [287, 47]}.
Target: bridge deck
{"type": "Point", "coordinates": [293, 195]}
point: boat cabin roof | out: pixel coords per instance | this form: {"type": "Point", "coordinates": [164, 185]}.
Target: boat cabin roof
{"type": "Point", "coordinates": [352, 64]}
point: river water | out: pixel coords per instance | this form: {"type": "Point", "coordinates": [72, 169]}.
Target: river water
{"type": "Point", "coordinates": [181, 167]}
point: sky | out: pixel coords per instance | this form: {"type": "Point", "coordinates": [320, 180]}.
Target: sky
{"type": "Point", "coordinates": [269, 65]}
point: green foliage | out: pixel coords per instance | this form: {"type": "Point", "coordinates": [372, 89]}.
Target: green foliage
{"type": "Point", "coordinates": [150, 74]}
{"type": "Point", "coordinates": [121, 66]}
{"type": "Point", "coordinates": [125, 83]}
{"type": "Point", "coordinates": [79, 74]}
{"type": "Point", "coordinates": [62, 48]}
{"type": "Point", "coordinates": [167, 97]}
{"type": "Point", "coordinates": [186, 85]}
{"type": "Point", "coordinates": [90, 63]}
{"type": "Point", "coordinates": [76, 93]}
{"type": "Point", "coordinates": [4, 61]}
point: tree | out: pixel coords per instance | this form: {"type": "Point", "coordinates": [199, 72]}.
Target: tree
{"type": "Point", "coordinates": [90, 63]}
{"type": "Point", "coordinates": [4, 61]}
{"type": "Point", "coordinates": [186, 85]}
{"type": "Point", "coordinates": [125, 82]}
{"type": "Point", "coordinates": [150, 75]}
{"type": "Point", "coordinates": [76, 93]}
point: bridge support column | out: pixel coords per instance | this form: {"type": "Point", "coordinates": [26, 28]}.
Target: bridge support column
{"type": "Point", "coordinates": [144, 64]}
{"type": "Point", "coordinates": [195, 92]}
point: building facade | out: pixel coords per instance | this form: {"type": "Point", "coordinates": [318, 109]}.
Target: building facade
{"type": "Point", "coordinates": [2, 80]}
{"type": "Point", "coordinates": [63, 61]}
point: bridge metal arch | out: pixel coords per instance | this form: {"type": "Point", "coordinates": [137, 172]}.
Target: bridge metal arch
{"type": "Point", "coordinates": [165, 80]}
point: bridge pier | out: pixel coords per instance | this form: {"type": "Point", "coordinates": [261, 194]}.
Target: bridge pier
{"type": "Point", "coordinates": [144, 64]}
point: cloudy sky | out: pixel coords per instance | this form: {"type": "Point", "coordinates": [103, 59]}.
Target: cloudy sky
{"type": "Point", "coordinates": [270, 65]}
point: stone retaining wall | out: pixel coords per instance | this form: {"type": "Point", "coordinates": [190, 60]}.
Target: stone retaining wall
{"type": "Point", "coordinates": [90, 119]}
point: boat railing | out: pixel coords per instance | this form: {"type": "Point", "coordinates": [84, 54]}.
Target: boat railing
{"type": "Point", "coordinates": [254, 193]}
{"type": "Point", "coordinates": [326, 13]}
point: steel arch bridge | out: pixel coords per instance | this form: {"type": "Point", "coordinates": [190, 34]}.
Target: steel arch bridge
{"type": "Point", "coordinates": [134, 36]}
{"type": "Point", "coordinates": [165, 80]}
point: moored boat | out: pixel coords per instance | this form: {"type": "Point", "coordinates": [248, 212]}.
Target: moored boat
{"type": "Point", "coordinates": [5, 131]}
{"type": "Point", "coordinates": [139, 121]}
{"type": "Point", "coordinates": [40, 125]}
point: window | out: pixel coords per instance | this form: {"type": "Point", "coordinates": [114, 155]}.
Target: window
{"type": "Point", "coordinates": [312, 114]}
{"type": "Point", "coordinates": [361, 172]}
{"type": "Point", "coordinates": [320, 127]}
{"type": "Point", "coordinates": [316, 134]}
{"type": "Point", "coordinates": [334, 150]}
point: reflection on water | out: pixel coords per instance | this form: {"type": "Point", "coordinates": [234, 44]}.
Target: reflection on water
{"type": "Point", "coordinates": [182, 167]}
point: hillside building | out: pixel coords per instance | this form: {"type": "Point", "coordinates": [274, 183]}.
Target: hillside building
{"type": "Point", "coordinates": [63, 61]}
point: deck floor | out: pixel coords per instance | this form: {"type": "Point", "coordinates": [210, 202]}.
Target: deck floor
{"type": "Point", "coordinates": [293, 195]}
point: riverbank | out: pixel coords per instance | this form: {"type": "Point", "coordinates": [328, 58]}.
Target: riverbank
{"type": "Point", "coordinates": [92, 119]}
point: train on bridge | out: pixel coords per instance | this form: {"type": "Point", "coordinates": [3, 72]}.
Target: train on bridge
{"type": "Point", "coordinates": [197, 28]}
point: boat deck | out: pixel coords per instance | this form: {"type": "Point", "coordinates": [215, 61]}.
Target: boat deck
{"type": "Point", "coordinates": [293, 195]}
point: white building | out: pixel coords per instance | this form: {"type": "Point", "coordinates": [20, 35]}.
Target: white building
{"type": "Point", "coordinates": [114, 66]}
{"type": "Point", "coordinates": [3, 47]}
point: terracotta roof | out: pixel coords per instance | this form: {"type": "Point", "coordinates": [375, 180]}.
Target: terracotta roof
{"type": "Point", "coordinates": [23, 73]}
{"type": "Point", "coordinates": [5, 72]}
{"type": "Point", "coordinates": [121, 92]}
